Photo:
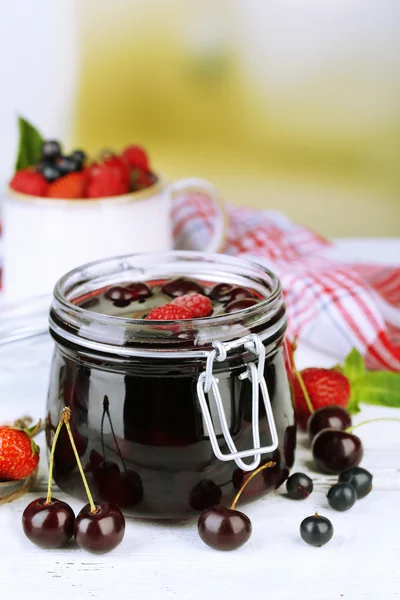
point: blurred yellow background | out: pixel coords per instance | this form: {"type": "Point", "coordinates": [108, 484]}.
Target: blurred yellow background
{"type": "Point", "coordinates": [283, 104]}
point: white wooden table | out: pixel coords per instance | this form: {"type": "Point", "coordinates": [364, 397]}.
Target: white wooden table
{"type": "Point", "coordinates": [168, 560]}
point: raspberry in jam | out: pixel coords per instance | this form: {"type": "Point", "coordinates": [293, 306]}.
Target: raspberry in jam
{"type": "Point", "coordinates": [144, 394]}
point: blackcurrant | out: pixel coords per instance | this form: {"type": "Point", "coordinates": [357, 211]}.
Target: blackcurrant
{"type": "Point", "coordinates": [299, 486]}
{"type": "Point", "coordinates": [66, 165]}
{"type": "Point", "coordinates": [341, 496]}
{"type": "Point", "coordinates": [79, 156]}
{"type": "Point", "coordinates": [51, 172]}
{"type": "Point", "coordinates": [359, 478]}
{"type": "Point", "coordinates": [316, 530]}
{"type": "Point", "coordinates": [51, 150]}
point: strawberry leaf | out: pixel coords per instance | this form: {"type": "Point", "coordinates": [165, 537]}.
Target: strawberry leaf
{"type": "Point", "coordinates": [32, 431]}
{"type": "Point", "coordinates": [353, 406]}
{"type": "Point", "coordinates": [377, 387]}
{"type": "Point", "coordinates": [354, 366]}
{"type": "Point", "coordinates": [30, 144]}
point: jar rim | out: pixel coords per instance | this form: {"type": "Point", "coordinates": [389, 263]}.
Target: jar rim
{"type": "Point", "coordinates": [66, 315]}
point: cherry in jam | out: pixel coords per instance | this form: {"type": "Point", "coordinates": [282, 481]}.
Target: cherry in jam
{"type": "Point", "coordinates": [139, 298]}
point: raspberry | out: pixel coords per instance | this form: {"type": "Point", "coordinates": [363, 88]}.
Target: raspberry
{"type": "Point", "coordinates": [197, 304]}
{"type": "Point", "coordinates": [71, 186]}
{"type": "Point", "coordinates": [120, 163]}
{"type": "Point", "coordinates": [168, 312]}
{"type": "Point", "coordinates": [136, 158]}
{"type": "Point", "coordinates": [106, 181]}
{"type": "Point", "coordinates": [29, 182]}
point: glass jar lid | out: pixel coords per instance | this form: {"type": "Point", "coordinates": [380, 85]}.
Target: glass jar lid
{"type": "Point", "coordinates": [112, 334]}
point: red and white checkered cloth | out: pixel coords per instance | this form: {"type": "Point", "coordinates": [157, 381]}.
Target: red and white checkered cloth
{"type": "Point", "coordinates": [332, 306]}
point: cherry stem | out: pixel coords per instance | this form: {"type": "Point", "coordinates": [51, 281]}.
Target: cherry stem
{"type": "Point", "coordinates": [350, 429]}
{"type": "Point", "coordinates": [253, 474]}
{"type": "Point", "coordinates": [51, 462]}
{"type": "Point", "coordinates": [106, 405]}
{"type": "Point", "coordinates": [304, 390]}
{"type": "Point", "coordinates": [66, 416]}
{"type": "Point", "coordinates": [102, 433]}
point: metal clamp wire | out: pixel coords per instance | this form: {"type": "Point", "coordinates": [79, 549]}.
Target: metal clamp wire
{"type": "Point", "coordinates": [234, 454]}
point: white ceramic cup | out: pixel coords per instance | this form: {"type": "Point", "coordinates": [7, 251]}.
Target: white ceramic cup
{"type": "Point", "coordinates": [46, 237]}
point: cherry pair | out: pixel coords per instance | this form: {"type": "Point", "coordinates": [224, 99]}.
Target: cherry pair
{"type": "Point", "coordinates": [50, 523]}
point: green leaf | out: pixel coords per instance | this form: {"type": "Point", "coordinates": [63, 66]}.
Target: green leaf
{"type": "Point", "coordinates": [381, 388]}
{"type": "Point", "coordinates": [353, 406]}
{"type": "Point", "coordinates": [354, 366]}
{"type": "Point", "coordinates": [30, 143]}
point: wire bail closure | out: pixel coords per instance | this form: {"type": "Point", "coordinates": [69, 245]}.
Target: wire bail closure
{"type": "Point", "coordinates": [207, 382]}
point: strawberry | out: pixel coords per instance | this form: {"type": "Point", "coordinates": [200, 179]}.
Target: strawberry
{"type": "Point", "coordinates": [169, 312]}
{"type": "Point", "coordinates": [324, 387]}
{"type": "Point", "coordinates": [136, 158]}
{"type": "Point", "coordinates": [119, 163]}
{"type": "Point", "coordinates": [197, 304]}
{"type": "Point", "coordinates": [71, 186]}
{"type": "Point", "coordinates": [19, 455]}
{"type": "Point", "coordinates": [29, 182]}
{"type": "Point", "coordinates": [106, 181]}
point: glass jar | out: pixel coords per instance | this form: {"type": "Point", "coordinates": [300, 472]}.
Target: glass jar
{"type": "Point", "coordinates": [170, 417]}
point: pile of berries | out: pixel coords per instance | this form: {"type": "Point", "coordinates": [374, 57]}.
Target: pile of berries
{"type": "Point", "coordinates": [56, 175]}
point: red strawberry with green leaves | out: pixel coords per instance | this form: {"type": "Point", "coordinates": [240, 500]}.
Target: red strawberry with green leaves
{"type": "Point", "coordinates": [324, 387]}
{"type": "Point", "coordinates": [347, 385]}
{"type": "Point", "coordinates": [19, 455]}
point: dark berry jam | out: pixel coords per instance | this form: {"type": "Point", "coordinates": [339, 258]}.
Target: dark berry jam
{"type": "Point", "coordinates": [136, 416]}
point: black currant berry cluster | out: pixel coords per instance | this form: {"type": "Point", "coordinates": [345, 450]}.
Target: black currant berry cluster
{"type": "Point", "coordinates": [50, 523]}
{"type": "Point", "coordinates": [53, 164]}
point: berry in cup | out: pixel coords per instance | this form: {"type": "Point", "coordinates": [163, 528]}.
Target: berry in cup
{"type": "Point", "coordinates": [44, 170]}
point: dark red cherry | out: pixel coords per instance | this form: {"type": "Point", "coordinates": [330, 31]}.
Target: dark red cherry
{"type": "Point", "coordinates": [120, 296]}
{"type": "Point", "coordinates": [335, 451]}
{"type": "Point", "coordinates": [240, 293]}
{"type": "Point", "coordinates": [240, 304]}
{"type": "Point", "coordinates": [48, 525]}
{"type": "Point", "coordinates": [289, 445]}
{"type": "Point", "coordinates": [328, 417]}
{"type": "Point", "coordinates": [139, 291]}
{"type": "Point", "coordinates": [181, 286]}
{"type": "Point", "coordinates": [223, 528]}
{"type": "Point", "coordinates": [124, 488]}
{"type": "Point", "coordinates": [206, 493]}
{"type": "Point", "coordinates": [222, 292]}
{"type": "Point", "coordinates": [101, 531]}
